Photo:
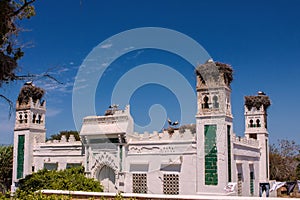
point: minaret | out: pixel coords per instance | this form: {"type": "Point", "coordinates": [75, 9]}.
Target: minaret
{"type": "Point", "coordinates": [256, 128]}
{"type": "Point", "coordinates": [29, 129]}
{"type": "Point", "coordinates": [214, 127]}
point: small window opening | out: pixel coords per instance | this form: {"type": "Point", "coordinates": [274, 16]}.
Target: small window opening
{"type": "Point", "coordinates": [205, 99]}
{"type": "Point", "coordinates": [39, 119]}
{"type": "Point", "coordinates": [251, 123]}
{"type": "Point", "coordinates": [33, 118]}
{"type": "Point", "coordinates": [25, 116]}
{"type": "Point", "coordinates": [21, 118]}
{"type": "Point", "coordinates": [215, 102]}
{"type": "Point", "coordinates": [253, 136]}
{"type": "Point", "coordinates": [258, 123]}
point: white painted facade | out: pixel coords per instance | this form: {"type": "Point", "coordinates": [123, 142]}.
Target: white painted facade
{"type": "Point", "coordinates": [178, 162]}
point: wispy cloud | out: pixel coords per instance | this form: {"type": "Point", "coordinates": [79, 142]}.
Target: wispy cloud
{"type": "Point", "coordinates": [52, 112]}
{"type": "Point", "coordinates": [62, 70]}
{"type": "Point", "coordinates": [52, 86]}
{"type": "Point", "coordinates": [128, 48]}
{"type": "Point", "coordinates": [63, 74]}
{"type": "Point", "coordinates": [81, 86]}
{"type": "Point", "coordinates": [106, 46]}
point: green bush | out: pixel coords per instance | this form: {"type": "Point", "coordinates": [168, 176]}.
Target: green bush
{"type": "Point", "coordinates": [72, 179]}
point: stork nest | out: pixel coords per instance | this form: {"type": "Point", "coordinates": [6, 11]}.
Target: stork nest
{"type": "Point", "coordinates": [191, 127]}
{"type": "Point", "coordinates": [257, 101]}
{"type": "Point", "coordinates": [30, 91]}
{"type": "Point", "coordinates": [215, 70]}
{"type": "Point", "coordinates": [226, 70]}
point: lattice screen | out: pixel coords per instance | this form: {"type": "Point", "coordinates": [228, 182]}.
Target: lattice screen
{"type": "Point", "coordinates": [139, 183]}
{"type": "Point", "coordinates": [171, 184]}
{"type": "Point", "coordinates": [239, 184]}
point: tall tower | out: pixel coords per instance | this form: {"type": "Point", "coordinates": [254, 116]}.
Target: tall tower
{"type": "Point", "coordinates": [29, 129]}
{"type": "Point", "coordinates": [256, 128]}
{"type": "Point", "coordinates": [214, 126]}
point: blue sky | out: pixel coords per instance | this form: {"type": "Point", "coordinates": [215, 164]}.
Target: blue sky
{"type": "Point", "coordinates": [260, 39]}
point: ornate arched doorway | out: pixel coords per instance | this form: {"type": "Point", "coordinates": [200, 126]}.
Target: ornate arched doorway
{"type": "Point", "coordinates": [107, 178]}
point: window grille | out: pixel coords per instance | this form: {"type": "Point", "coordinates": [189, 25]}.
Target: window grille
{"type": "Point", "coordinates": [239, 184]}
{"type": "Point", "coordinates": [171, 184]}
{"type": "Point", "coordinates": [139, 183]}
{"type": "Point", "coordinates": [251, 183]}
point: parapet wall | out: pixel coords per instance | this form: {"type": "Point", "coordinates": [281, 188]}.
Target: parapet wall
{"type": "Point", "coordinates": [162, 136]}
{"type": "Point", "coordinates": [245, 141]}
{"type": "Point", "coordinates": [31, 104]}
{"type": "Point", "coordinates": [62, 141]}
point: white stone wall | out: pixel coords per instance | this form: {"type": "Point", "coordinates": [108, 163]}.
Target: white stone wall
{"type": "Point", "coordinates": [164, 155]}
{"type": "Point", "coordinates": [58, 151]}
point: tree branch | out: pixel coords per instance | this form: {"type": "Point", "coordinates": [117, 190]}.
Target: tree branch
{"type": "Point", "coordinates": [45, 75]}
{"type": "Point", "coordinates": [26, 3]}
{"type": "Point", "coordinates": [9, 102]}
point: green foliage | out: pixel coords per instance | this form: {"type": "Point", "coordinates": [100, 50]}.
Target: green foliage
{"type": "Point", "coordinates": [72, 179]}
{"type": "Point", "coordinates": [66, 133]}
{"type": "Point", "coordinates": [284, 161]}
{"type": "Point", "coordinates": [298, 171]}
{"type": "Point", "coordinates": [191, 127]}
{"type": "Point", "coordinates": [11, 11]}
{"type": "Point", "coordinates": [6, 164]}
{"type": "Point", "coordinates": [40, 196]}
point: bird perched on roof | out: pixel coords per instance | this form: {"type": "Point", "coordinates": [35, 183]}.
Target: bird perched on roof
{"type": "Point", "coordinates": [29, 83]}
{"type": "Point", "coordinates": [172, 123]}
{"type": "Point", "coordinates": [115, 106]}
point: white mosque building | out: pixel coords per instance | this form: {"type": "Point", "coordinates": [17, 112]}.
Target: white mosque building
{"type": "Point", "coordinates": [177, 161]}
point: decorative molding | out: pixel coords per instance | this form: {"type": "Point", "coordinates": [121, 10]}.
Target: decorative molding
{"type": "Point", "coordinates": [101, 159]}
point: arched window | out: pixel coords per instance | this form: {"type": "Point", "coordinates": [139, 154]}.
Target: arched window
{"type": "Point", "coordinates": [251, 123]}
{"type": "Point", "coordinates": [21, 118]}
{"type": "Point", "coordinates": [25, 116]}
{"type": "Point", "coordinates": [33, 118]}
{"type": "Point", "coordinates": [205, 104]}
{"type": "Point", "coordinates": [39, 119]}
{"type": "Point", "coordinates": [215, 102]}
{"type": "Point", "coordinates": [258, 123]}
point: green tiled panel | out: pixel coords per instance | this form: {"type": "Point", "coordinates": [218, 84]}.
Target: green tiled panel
{"type": "Point", "coordinates": [267, 160]}
{"type": "Point", "coordinates": [121, 156]}
{"type": "Point", "coordinates": [20, 156]}
{"type": "Point", "coordinates": [211, 156]}
{"type": "Point", "coordinates": [229, 152]}
{"type": "Point", "coordinates": [251, 183]}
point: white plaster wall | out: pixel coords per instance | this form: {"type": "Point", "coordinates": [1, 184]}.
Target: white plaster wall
{"type": "Point", "coordinates": [245, 156]}
{"type": "Point", "coordinates": [60, 153]}
{"type": "Point", "coordinates": [187, 171]}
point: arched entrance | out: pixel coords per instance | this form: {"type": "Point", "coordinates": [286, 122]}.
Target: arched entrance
{"type": "Point", "coordinates": [107, 178]}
